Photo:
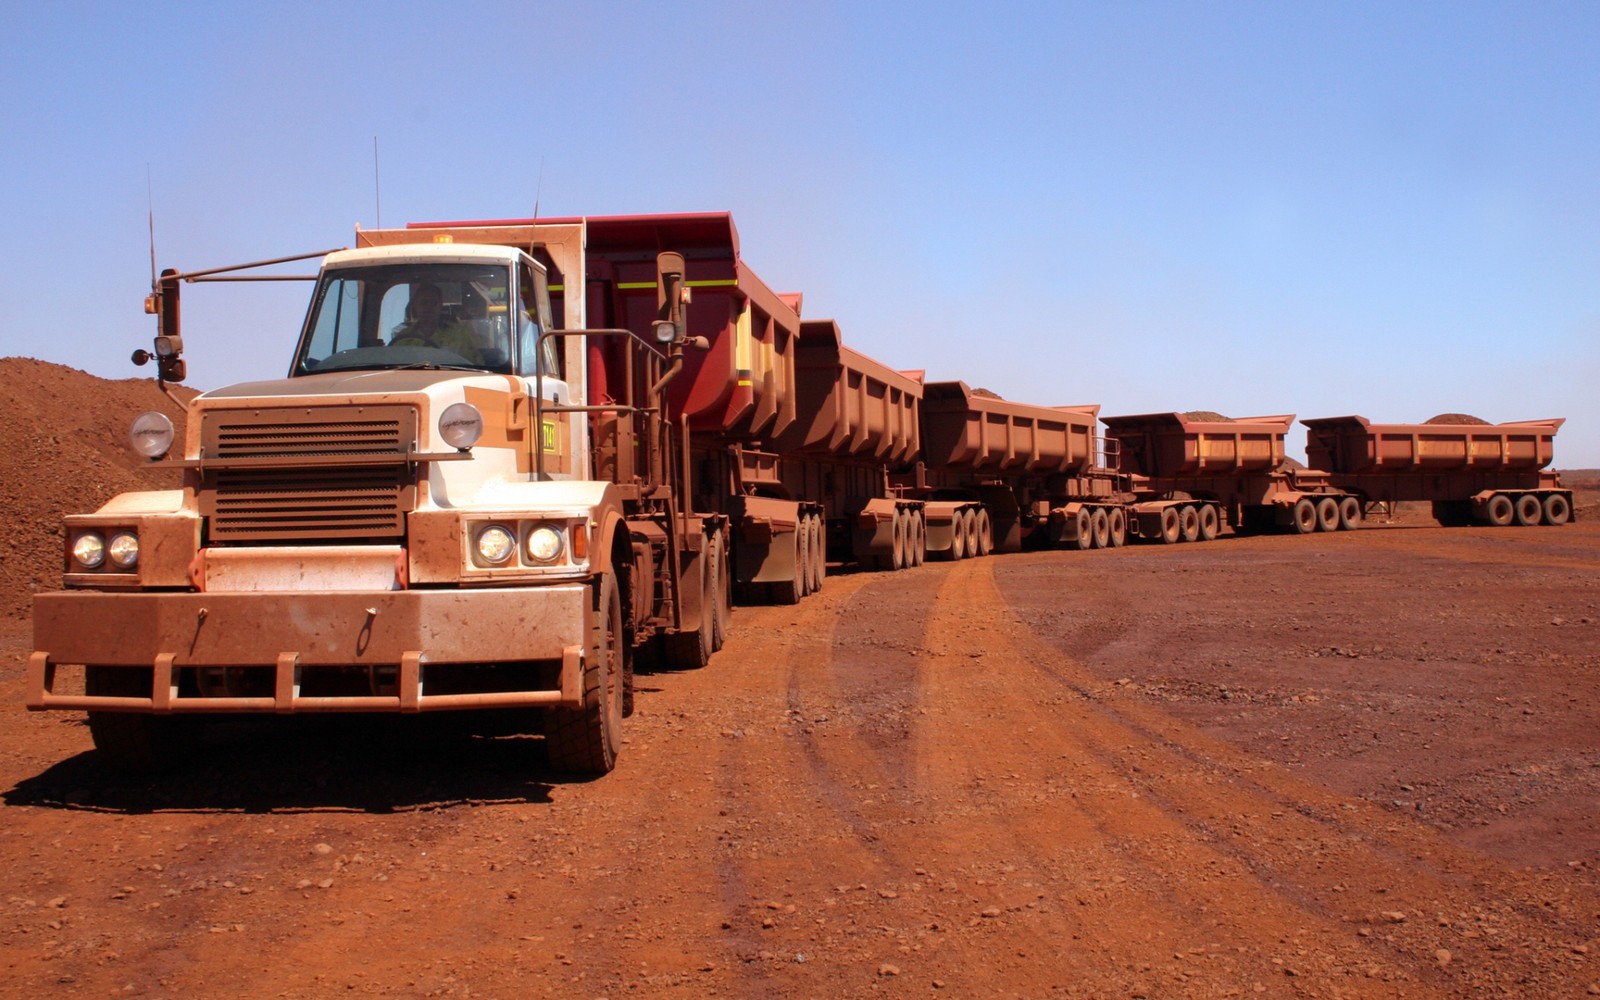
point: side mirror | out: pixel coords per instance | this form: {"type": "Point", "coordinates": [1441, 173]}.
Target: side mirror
{"type": "Point", "coordinates": [672, 295]}
{"type": "Point", "coordinates": [162, 302]}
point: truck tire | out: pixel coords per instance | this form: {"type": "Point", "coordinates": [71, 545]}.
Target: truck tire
{"type": "Point", "coordinates": [1210, 523]}
{"type": "Point", "coordinates": [985, 533]}
{"type": "Point", "coordinates": [790, 591]}
{"type": "Point", "coordinates": [1303, 516]}
{"type": "Point", "coordinates": [919, 538]}
{"type": "Point", "coordinates": [1171, 525]}
{"type": "Point", "coordinates": [722, 591]}
{"type": "Point", "coordinates": [1100, 527]}
{"type": "Point", "coordinates": [1189, 523]}
{"type": "Point", "coordinates": [958, 539]}
{"type": "Point", "coordinates": [1529, 510]}
{"type": "Point", "coordinates": [1499, 511]}
{"type": "Point", "coordinates": [1349, 514]}
{"type": "Point", "coordinates": [585, 740]}
{"type": "Point", "coordinates": [134, 742]}
{"type": "Point", "coordinates": [1117, 521]}
{"type": "Point", "coordinates": [817, 565]}
{"type": "Point", "coordinates": [1557, 509]}
{"type": "Point", "coordinates": [969, 528]}
{"type": "Point", "coordinates": [1328, 514]}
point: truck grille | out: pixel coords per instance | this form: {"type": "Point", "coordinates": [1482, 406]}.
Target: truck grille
{"type": "Point", "coordinates": [308, 502]}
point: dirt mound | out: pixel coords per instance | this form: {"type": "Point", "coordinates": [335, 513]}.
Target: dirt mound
{"type": "Point", "coordinates": [1207, 416]}
{"type": "Point", "coordinates": [68, 454]}
{"type": "Point", "coordinates": [987, 393]}
{"type": "Point", "coordinates": [1457, 418]}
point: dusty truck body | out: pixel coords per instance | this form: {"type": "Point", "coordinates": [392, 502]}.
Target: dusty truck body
{"type": "Point", "coordinates": [855, 419]}
{"type": "Point", "coordinates": [410, 521]}
{"type": "Point", "coordinates": [789, 431]}
{"type": "Point", "coordinates": [1472, 473]}
{"type": "Point", "coordinates": [1001, 475]}
{"type": "Point", "coordinates": [1232, 470]}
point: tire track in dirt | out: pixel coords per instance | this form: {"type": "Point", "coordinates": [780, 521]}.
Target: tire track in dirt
{"type": "Point", "coordinates": [1291, 856]}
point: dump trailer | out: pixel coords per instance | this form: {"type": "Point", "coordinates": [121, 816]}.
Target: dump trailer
{"type": "Point", "coordinates": [1200, 470]}
{"type": "Point", "coordinates": [1000, 475]}
{"type": "Point", "coordinates": [434, 510]}
{"type": "Point", "coordinates": [856, 418]}
{"type": "Point", "coordinates": [1472, 473]}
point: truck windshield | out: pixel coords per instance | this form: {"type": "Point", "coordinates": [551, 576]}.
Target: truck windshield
{"type": "Point", "coordinates": [409, 316]}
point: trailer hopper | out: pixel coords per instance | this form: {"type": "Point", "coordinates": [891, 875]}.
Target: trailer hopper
{"type": "Point", "coordinates": [849, 405]}
{"type": "Point", "coordinates": [962, 430]}
{"type": "Point", "coordinates": [1355, 446]}
{"type": "Point", "coordinates": [1171, 445]}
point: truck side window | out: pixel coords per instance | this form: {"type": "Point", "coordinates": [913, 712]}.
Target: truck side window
{"type": "Point", "coordinates": [536, 357]}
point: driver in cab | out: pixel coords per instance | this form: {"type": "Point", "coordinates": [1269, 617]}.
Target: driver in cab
{"type": "Point", "coordinates": [426, 328]}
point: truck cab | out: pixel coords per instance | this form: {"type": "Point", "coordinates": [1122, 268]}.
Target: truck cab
{"type": "Point", "coordinates": [408, 521]}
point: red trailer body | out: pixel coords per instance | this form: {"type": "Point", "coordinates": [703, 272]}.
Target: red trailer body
{"type": "Point", "coordinates": [1485, 473]}
{"type": "Point", "coordinates": [996, 471]}
{"type": "Point", "coordinates": [1237, 464]}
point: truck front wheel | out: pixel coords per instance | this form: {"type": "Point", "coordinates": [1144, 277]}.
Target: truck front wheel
{"type": "Point", "coordinates": [585, 740]}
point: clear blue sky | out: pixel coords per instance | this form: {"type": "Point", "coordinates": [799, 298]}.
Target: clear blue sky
{"type": "Point", "coordinates": [1390, 209]}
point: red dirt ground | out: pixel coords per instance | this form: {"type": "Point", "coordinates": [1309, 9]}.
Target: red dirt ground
{"type": "Point", "coordinates": [1351, 765]}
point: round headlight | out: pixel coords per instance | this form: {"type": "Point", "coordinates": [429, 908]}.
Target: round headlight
{"type": "Point", "coordinates": [495, 544]}
{"type": "Point", "coordinates": [544, 544]}
{"type": "Point", "coordinates": [151, 434]}
{"type": "Point", "coordinates": [461, 425]}
{"type": "Point", "coordinates": [89, 551]}
{"type": "Point", "coordinates": [123, 550]}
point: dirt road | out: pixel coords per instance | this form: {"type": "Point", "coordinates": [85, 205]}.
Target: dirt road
{"type": "Point", "coordinates": [1351, 765]}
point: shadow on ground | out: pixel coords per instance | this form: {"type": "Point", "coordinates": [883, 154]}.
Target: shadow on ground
{"type": "Point", "coordinates": [371, 764]}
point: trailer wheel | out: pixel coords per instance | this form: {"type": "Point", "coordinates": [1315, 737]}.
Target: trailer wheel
{"type": "Point", "coordinates": [1100, 528]}
{"type": "Point", "coordinates": [985, 532]}
{"type": "Point", "coordinates": [135, 742]}
{"type": "Point", "coordinates": [1557, 509]}
{"type": "Point", "coordinates": [902, 541]}
{"type": "Point", "coordinates": [1303, 516]}
{"type": "Point", "coordinates": [802, 554]}
{"type": "Point", "coordinates": [919, 538]}
{"type": "Point", "coordinates": [790, 591]}
{"type": "Point", "coordinates": [1118, 523]}
{"type": "Point", "coordinates": [1189, 522]}
{"type": "Point", "coordinates": [1084, 526]}
{"type": "Point", "coordinates": [818, 564]}
{"type": "Point", "coordinates": [1171, 526]}
{"type": "Point", "coordinates": [967, 524]}
{"type": "Point", "coordinates": [1349, 514]}
{"type": "Point", "coordinates": [958, 539]}
{"type": "Point", "coordinates": [1210, 523]}
{"type": "Point", "coordinates": [1529, 510]}
{"type": "Point", "coordinates": [1499, 511]}
{"type": "Point", "coordinates": [722, 593]}
{"type": "Point", "coordinates": [1328, 514]}
{"type": "Point", "coordinates": [585, 740]}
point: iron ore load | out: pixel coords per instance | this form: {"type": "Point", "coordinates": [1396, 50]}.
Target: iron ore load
{"type": "Point", "coordinates": [511, 461]}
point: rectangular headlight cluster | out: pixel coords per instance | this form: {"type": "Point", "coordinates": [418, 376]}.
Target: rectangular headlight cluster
{"type": "Point", "coordinates": [559, 544]}
{"type": "Point", "coordinates": [103, 550]}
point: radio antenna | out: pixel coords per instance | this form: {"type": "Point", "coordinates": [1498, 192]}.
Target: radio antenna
{"type": "Point", "coordinates": [538, 190]}
{"type": "Point", "coordinates": [150, 201]}
{"type": "Point", "coordinates": [377, 189]}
